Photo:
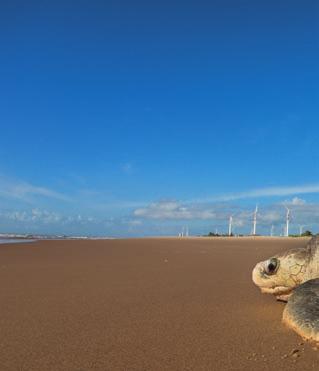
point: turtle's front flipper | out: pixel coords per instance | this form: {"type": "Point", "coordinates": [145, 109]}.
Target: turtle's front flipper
{"type": "Point", "coordinates": [283, 298]}
{"type": "Point", "coordinates": [302, 310]}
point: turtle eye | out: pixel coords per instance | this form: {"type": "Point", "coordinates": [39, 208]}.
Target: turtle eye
{"type": "Point", "coordinates": [271, 266]}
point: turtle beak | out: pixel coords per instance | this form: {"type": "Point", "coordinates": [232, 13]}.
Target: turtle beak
{"type": "Point", "coordinates": [258, 275]}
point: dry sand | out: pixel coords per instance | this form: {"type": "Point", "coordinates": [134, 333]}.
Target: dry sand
{"type": "Point", "coordinates": [143, 304]}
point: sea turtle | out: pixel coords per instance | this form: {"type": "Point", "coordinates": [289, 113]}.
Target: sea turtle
{"type": "Point", "coordinates": [293, 276]}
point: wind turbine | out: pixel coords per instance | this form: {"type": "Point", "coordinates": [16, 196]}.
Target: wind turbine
{"type": "Point", "coordinates": [287, 220]}
{"type": "Point", "coordinates": [255, 220]}
{"type": "Point", "coordinates": [272, 230]}
{"type": "Point", "coordinates": [230, 225]}
{"type": "Point", "coordinates": [301, 227]}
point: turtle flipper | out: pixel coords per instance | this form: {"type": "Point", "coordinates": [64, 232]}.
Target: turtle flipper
{"type": "Point", "coordinates": [302, 310]}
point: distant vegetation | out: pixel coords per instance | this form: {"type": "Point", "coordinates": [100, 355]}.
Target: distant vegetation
{"type": "Point", "coordinates": [211, 234]}
{"type": "Point", "coordinates": [304, 234]}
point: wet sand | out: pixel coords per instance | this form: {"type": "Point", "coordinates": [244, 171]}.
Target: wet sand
{"type": "Point", "coordinates": [143, 304]}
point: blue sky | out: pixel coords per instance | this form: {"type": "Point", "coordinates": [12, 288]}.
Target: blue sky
{"type": "Point", "coordinates": [113, 111]}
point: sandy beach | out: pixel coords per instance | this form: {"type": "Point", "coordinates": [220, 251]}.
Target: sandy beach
{"type": "Point", "coordinates": [144, 304]}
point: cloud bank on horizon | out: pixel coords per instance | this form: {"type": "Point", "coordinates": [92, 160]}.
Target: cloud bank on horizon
{"type": "Point", "coordinates": [32, 214]}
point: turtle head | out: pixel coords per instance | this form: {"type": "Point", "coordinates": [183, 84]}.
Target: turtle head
{"type": "Point", "coordinates": [280, 274]}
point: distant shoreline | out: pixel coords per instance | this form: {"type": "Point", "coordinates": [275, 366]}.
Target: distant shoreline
{"type": "Point", "coordinates": [20, 239]}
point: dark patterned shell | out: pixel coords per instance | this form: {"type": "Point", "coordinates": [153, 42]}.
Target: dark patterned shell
{"type": "Point", "coordinates": [302, 310]}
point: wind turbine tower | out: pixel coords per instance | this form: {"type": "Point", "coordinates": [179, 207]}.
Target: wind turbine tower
{"type": "Point", "coordinates": [230, 225]}
{"type": "Point", "coordinates": [272, 230]}
{"type": "Point", "coordinates": [300, 229]}
{"type": "Point", "coordinates": [287, 221]}
{"type": "Point", "coordinates": [255, 221]}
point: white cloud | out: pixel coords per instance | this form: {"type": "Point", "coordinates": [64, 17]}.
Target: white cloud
{"type": "Point", "coordinates": [269, 216]}
{"type": "Point", "coordinates": [33, 216]}
{"type": "Point", "coordinates": [296, 201]}
{"type": "Point", "coordinates": [265, 192]}
{"type": "Point", "coordinates": [38, 216]}
{"type": "Point", "coordinates": [301, 212]}
{"type": "Point", "coordinates": [172, 210]}
{"type": "Point", "coordinates": [24, 191]}
{"type": "Point", "coordinates": [19, 216]}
